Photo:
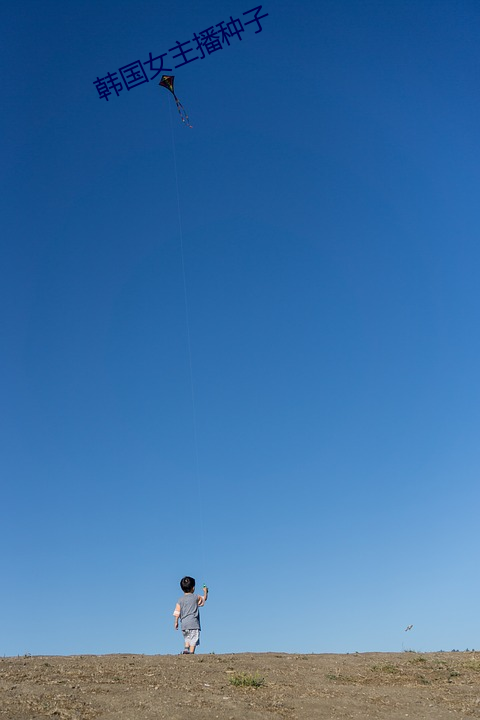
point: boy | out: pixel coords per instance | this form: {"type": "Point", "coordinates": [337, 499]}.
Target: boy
{"type": "Point", "coordinates": [187, 610]}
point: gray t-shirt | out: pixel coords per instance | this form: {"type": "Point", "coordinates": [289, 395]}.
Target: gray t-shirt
{"type": "Point", "coordinates": [189, 613]}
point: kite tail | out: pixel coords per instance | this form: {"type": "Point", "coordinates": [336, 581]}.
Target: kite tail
{"type": "Point", "coordinates": [182, 112]}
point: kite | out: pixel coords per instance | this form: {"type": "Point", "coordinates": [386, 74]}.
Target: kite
{"type": "Point", "coordinates": [167, 82]}
{"type": "Point", "coordinates": [408, 628]}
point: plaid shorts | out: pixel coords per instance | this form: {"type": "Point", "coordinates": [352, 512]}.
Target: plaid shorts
{"type": "Point", "coordinates": [191, 637]}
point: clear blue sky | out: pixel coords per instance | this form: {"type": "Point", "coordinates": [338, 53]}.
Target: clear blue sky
{"type": "Point", "coordinates": [329, 202]}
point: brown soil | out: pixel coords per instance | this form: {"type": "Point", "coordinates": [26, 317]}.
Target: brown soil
{"type": "Point", "coordinates": [436, 686]}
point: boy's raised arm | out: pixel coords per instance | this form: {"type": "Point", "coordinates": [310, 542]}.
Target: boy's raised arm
{"type": "Point", "coordinates": [202, 599]}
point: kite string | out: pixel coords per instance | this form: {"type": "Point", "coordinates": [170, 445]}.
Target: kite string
{"type": "Point", "coordinates": [189, 347]}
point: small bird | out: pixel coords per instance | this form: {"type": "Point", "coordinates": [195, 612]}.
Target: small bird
{"type": "Point", "coordinates": [408, 628]}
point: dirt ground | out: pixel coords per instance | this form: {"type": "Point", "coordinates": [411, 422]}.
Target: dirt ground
{"type": "Point", "coordinates": [369, 686]}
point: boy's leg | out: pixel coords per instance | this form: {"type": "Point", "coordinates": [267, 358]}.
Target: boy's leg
{"type": "Point", "coordinates": [196, 641]}
{"type": "Point", "coordinates": [191, 642]}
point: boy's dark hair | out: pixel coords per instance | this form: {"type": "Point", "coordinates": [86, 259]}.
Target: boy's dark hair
{"type": "Point", "coordinates": [187, 584]}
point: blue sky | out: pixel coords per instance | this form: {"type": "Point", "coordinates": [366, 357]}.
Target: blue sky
{"type": "Point", "coordinates": [323, 478]}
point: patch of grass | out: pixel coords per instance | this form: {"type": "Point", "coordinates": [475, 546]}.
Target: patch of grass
{"type": "Point", "coordinates": [391, 669]}
{"type": "Point", "coordinates": [473, 665]}
{"type": "Point", "coordinates": [332, 676]}
{"type": "Point", "coordinates": [418, 660]}
{"type": "Point", "coordinates": [247, 680]}
{"type": "Point", "coordinates": [342, 679]}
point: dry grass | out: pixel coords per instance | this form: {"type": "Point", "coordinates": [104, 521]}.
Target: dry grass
{"type": "Point", "coordinates": [377, 686]}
